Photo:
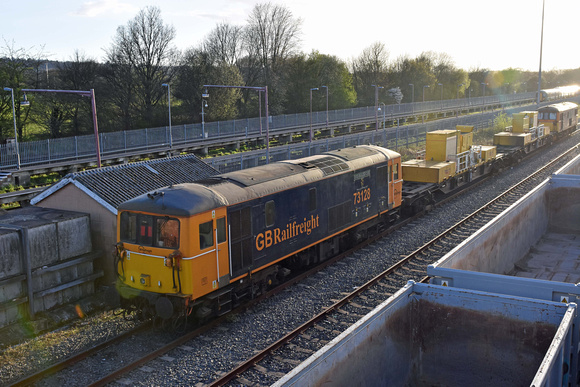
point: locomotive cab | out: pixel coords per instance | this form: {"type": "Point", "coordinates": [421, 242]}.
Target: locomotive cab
{"type": "Point", "coordinates": [164, 250]}
{"type": "Point", "coordinates": [560, 118]}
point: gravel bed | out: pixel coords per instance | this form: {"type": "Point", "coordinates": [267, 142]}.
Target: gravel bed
{"type": "Point", "coordinates": [35, 354]}
{"type": "Point", "coordinates": [203, 359]}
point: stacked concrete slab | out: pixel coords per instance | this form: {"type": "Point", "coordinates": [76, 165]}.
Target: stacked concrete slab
{"type": "Point", "coordinates": [46, 260]}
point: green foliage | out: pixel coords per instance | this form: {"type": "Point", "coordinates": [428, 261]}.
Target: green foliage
{"type": "Point", "coordinates": [500, 122]}
{"type": "Point", "coordinates": [303, 73]}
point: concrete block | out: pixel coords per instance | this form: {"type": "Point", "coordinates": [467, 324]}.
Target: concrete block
{"type": "Point", "coordinates": [9, 316]}
{"type": "Point", "coordinates": [68, 274]}
{"type": "Point", "coordinates": [43, 245]}
{"type": "Point", "coordinates": [85, 269]}
{"type": "Point", "coordinates": [10, 261]}
{"type": "Point", "coordinates": [11, 291]}
{"type": "Point", "coordinates": [74, 238]}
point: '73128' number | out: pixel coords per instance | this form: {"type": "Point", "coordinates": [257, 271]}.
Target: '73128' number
{"type": "Point", "coordinates": [362, 195]}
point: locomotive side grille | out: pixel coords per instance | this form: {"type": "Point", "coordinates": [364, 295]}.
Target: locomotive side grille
{"type": "Point", "coordinates": [339, 216]}
{"type": "Point", "coordinates": [241, 240]}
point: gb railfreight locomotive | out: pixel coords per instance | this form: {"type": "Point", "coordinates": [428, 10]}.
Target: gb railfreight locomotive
{"type": "Point", "coordinates": [202, 247]}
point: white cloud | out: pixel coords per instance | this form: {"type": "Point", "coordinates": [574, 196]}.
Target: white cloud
{"type": "Point", "coordinates": [100, 7]}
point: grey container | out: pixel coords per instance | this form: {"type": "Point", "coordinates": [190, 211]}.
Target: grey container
{"type": "Point", "coordinates": [532, 249]}
{"type": "Point", "coordinates": [428, 335]}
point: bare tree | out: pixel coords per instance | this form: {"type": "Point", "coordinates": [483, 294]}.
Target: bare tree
{"type": "Point", "coordinates": [19, 68]}
{"type": "Point", "coordinates": [273, 32]}
{"type": "Point", "coordinates": [224, 43]}
{"type": "Point", "coordinates": [145, 45]}
{"type": "Point", "coordinates": [271, 36]}
{"type": "Point", "coordinates": [79, 73]}
{"type": "Point", "coordinates": [370, 68]}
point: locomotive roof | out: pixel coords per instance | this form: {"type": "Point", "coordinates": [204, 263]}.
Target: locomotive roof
{"type": "Point", "coordinates": [561, 107]}
{"type": "Point", "coordinates": [239, 186]}
{"type": "Point", "coordinates": [178, 200]}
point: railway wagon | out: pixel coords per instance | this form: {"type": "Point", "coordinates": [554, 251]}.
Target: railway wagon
{"type": "Point", "coordinates": [525, 135]}
{"type": "Point", "coordinates": [560, 119]}
{"type": "Point", "coordinates": [530, 250]}
{"type": "Point", "coordinates": [203, 247]}
{"type": "Point", "coordinates": [428, 335]}
{"type": "Point", "coordinates": [450, 160]}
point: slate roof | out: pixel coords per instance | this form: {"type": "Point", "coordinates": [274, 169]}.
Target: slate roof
{"type": "Point", "coordinates": [113, 185]}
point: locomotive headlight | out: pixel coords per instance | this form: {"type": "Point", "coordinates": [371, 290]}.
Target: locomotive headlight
{"type": "Point", "coordinates": [145, 280]}
{"type": "Point", "coordinates": [132, 279]}
{"type": "Point", "coordinates": [159, 283]}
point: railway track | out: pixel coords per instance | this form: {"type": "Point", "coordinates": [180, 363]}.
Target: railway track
{"type": "Point", "coordinates": [264, 367]}
{"type": "Point", "coordinates": [315, 333]}
{"type": "Point", "coordinates": [20, 196]}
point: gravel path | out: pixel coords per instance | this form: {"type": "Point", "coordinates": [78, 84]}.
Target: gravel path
{"type": "Point", "coordinates": [203, 359]}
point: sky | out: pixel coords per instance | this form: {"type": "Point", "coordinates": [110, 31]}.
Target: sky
{"type": "Point", "coordinates": [487, 34]}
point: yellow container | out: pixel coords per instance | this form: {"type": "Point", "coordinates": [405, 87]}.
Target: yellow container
{"type": "Point", "coordinates": [512, 139]}
{"type": "Point", "coordinates": [488, 153]}
{"type": "Point", "coordinates": [502, 138]}
{"type": "Point", "coordinates": [441, 144]}
{"type": "Point", "coordinates": [520, 123]}
{"type": "Point", "coordinates": [423, 171]}
{"type": "Point", "coordinates": [466, 138]}
{"type": "Point", "coordinates": [465, 143]}
{"type": "Point", "coordinates": [533, 118]}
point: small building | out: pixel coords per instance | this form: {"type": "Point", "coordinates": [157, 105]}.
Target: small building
{"type": "Point", "coordinates": [99, 192]}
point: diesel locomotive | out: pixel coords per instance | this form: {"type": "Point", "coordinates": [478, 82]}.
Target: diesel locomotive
{"type": "Point", "coordinates": [201, 248]}
{"type": "Point", "coordinates": [196, 250]}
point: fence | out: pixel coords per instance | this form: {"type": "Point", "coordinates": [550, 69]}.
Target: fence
{"type": "Point", "coordinates": [392, 138]}
{"type": "Point", "coordinates": [79, 147]}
